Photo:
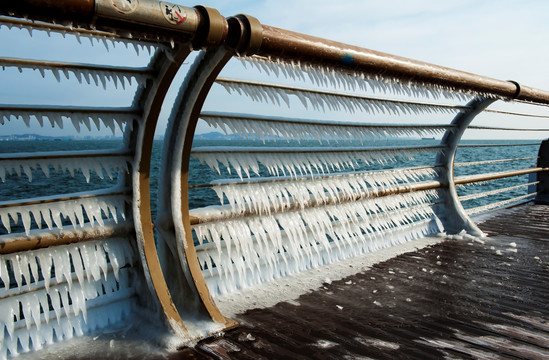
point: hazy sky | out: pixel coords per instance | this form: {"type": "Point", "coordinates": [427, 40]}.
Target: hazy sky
{"type": "Point", "coordinates": [501, 39]}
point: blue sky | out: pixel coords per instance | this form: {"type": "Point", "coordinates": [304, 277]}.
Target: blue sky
{"type": "Point", "coordinates": [501, 39]}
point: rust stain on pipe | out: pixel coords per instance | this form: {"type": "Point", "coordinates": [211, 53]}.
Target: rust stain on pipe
{"type": "Point", "coordinates": [295, 46]}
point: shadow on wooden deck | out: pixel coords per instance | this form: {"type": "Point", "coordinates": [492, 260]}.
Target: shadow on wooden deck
{"type": "Point", "coordinates": [457, 299]}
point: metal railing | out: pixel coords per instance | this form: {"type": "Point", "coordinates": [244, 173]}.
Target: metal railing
{"type": "Point", "coordinates": [328, 151]}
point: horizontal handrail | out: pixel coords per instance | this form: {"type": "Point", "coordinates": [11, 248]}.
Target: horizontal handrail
{"type": "Point", "coordinates": [38, 239]}
{"type": "Point", "coordinates": [307, 178]}
{"type": "Point", "coordinates": [478, 209]}
{"type": "Point", "coordinates": [298, 89]}
{"type": "Point", "coordinates": [14, 62]}
{"type": "Point", "coordinates": [516, 113]}
{"type": "Point", "coordinates": [495, 145]}
{"type": "Point", "coordinates": [290, 150]}
{"type": "Point", "coordinates": [64, 155]}
{"type": "Point", "coordinates": [66, 197]}
{"type": "Point", "coordinates": [225, 212]}
{"type": "Point", "coordinates": [476, 127]}
{"type": "Point", "coordinates": [494, 192]}
{"type": "Point", "coordinates": [469, 179]}
{"type": "Point", "coordinates": [294, 46]}
{"type": "Point", "coordinates": [334, 126]}
{"type": "Point", "coordinates": [484, 162]}
{"type": "Point", "coordinates": [70, 109]}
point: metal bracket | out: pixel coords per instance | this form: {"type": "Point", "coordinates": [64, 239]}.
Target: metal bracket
{"type": "Point", "coordinates": [454, 217]}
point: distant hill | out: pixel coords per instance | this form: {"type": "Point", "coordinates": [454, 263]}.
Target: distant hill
{"type": "Point", "coordinates": [27, 137]}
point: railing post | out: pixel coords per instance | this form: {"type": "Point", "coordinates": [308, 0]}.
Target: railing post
{"type": "Point", "coordinates": [453, 216]}
{"type": "Point", "coordinates": [542, 196]}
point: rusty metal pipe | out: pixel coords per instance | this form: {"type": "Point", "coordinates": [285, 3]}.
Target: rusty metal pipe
{"type": "Point", "coordinates": [469, 179]}
{"type": "Point", "coordinates": [42, 239]}
{"type": "Point", "coordinates": [294, 46]}
{"type": "Point", "coordinates": [225, 212]}
{"type": "Point", "coordinates": [163, 20]}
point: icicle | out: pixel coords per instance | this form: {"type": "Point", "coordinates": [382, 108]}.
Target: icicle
{"type": "Point", "coordinates": [324, 76]}
{"type": "Point", "coordinates": [255, 249]}
{"type": "Point", "coordinates": [299, 161]}
{"type": "Point", "coordinates": [74, 209]}
{"type": "Point", "coordinates": [351, 104]}
{"type": "Point", "coordinates": [85, 164]}
{"type": "Point", "coordinates": [77, 119]}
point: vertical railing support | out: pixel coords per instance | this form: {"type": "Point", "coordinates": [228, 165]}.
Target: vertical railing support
{"type": "Point", "coordinates": [452, 214]}
{"type": "Point", "coordinates": [542, 189]}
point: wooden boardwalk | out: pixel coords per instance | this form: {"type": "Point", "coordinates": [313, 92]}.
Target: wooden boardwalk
{"type": "Point", "coordinates": [458, 299]}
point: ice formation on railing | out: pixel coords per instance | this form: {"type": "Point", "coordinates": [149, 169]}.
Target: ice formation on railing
{"type": "Point", "coordinates": [290, 129]}
{"type": "Point", "coordinates": [253, 249]}
{"type": "Point", "coordinates": [56, 290]}
{"type": "Point", "coordinates": [268, 195]}
{"type": "Point", "coordinates": [94, 206]}
{"type": "Point", "coordinates": [300, 161]}
{"type": "Point", "coordinates": [95, 37]}
{"type": "Point", "coordinates": [78, 119]}
{"type": "Point", "coordinates": [495, 192]}
{"type": "Point", "coordinates": [101, 165]}
{"type": "Point", "coordinates": [490, 206]}
{"type": "Point", "coordinates": [323, 100]}
{"type": "Point", "coordinates": [95, 76]}
{"type": "Point", "coordinates": [322, 75]}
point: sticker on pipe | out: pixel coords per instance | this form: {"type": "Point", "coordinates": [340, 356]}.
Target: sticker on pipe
{"type": "Point", "coordinates": [125, 7]}
{"type": "Point", "coordinates": [174, 13]}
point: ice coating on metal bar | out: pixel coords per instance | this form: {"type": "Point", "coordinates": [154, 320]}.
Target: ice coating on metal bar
{"type": "Point", "coordinates": [495, 205]}
{"type": "Point", "coordinates": [68, 290]}
{"type": "Point", "coordinates": [300, 161]}
{"type": "Point", "coordinates": [89, 76]}
{"type": "Point", "coordinates": [334, 101]}
{"type": "Point", "coordinates": [273, 129]}
{"type": "Point", "coordinates": [95, 208]}
{"type": "Point", "coordinates": [94, 38]}
{"type": "Point", "coordinates": [100, 165]}
{"type": "Point", "coordinates": [322, 75]}
{"type": "Point", "coordinates": [238, 253]}
{"type": "Point", "coordinates": [78, 119]}
{"type": "Point", "coordinates": [276, 194]}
